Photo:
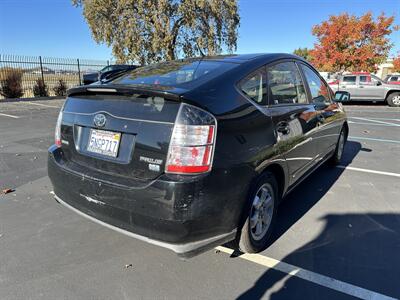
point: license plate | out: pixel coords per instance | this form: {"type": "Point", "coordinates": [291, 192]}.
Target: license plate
{"type": "Point", "coordinates": [104, 142]}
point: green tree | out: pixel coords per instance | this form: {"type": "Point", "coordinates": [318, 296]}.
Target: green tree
{"type": "Point", "coordinates": [155, 30]}
{"type": "Point", "coordinates": [303, 52]}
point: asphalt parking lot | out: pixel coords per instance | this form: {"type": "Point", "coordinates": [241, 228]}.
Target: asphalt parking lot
{"type": "Point", "coordinates": [338, 234]}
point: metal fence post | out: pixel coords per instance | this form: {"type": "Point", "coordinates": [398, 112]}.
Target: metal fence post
{"type": "Point", "coordinates": [41, 68]}
{"type": "Point", "coordinates": [79, 72]}
{"type": "Point", "coordinates": [34, 68]}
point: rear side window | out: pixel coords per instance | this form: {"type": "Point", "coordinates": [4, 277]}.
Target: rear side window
{"type": "Point", "coordinates": [175, 73]}
{"type": "Point", "coordinates": [254, 86]}
{"type": "Point", "coordinates": [319, 90]}
{"type": "Point", "coordinates": [349, 79]}
{"type": "Point", "coordinates": [285, 85]}
{"type": "Point", "coordinates": [394, 78]}
{"type": "Point", "coordinates": [365, 79]}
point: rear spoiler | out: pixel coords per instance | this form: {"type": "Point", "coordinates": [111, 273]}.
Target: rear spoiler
{"type": "Point", "coordinates": [158, 91]}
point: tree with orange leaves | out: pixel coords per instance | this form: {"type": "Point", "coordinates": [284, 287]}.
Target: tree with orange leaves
{"type": "Point", "coordinates": [350, 43]}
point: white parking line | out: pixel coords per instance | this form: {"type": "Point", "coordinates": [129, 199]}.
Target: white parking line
{"type": "Point", "coordinates": [374, 111]}
{"type": "Point", "coordinates": [373, 139]}
{"type": "Point", "coordinates": [10, 116]}
{"type": "Point", "coordinates": [370, 124]}
{"type": "Point", "coordinates": [369, 171]}
{"type": "Point", "coordinates": [375, 121]}
{"type": "Point", "coordinates": [387, 119]}
{"type": "Point", "coordinates": [313, 277]}
{"type": "Point", "coordinates": [40, 104]}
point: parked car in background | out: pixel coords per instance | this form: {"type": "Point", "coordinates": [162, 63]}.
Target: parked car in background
{"type": "Point", "coordinates": [106, 72]}
{"type": "Point", "coordinates": [367, 87]}
{"type": "Point", "coordinates": [392, 79]}
{"type": "Point", "coordinates": [192, 153]}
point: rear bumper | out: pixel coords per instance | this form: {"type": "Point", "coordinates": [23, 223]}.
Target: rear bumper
{"type": "Point", "coordinates": [186, 216]}
{"type": "Point", "coordinates": [185, 250]}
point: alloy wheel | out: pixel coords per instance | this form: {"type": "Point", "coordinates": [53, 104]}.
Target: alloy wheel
{"type": "Point", "coordinates": [396, 100]}
{"type": "Point", "coordinates": [261, 212]}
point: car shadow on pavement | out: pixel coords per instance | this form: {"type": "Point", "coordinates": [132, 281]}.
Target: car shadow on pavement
{"type": "Point", "coordinates": [361, 249]}
{"type": "Point", "coordinates": [311, 190]}
{"type": "Point", "coordinates": [308, 193]}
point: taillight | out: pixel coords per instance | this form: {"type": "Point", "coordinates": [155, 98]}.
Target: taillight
{"type": "Point", "coordinates": [57, 133]}
{"type": "Point", "coordinates": [192, 143]}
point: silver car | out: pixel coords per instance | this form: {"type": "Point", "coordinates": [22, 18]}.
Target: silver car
{"type": "Point", "coordinates": [367, 87]}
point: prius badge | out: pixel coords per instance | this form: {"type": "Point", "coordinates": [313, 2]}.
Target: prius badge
{"type": "Point", "coordinates": [99, 120]}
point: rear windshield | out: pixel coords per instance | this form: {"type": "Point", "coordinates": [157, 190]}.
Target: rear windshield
{"type": "Point", "coordinates": [178, 73]}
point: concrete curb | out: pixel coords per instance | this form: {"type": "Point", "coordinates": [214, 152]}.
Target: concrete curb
{"type": "Point", "coordinates": [32, 99]}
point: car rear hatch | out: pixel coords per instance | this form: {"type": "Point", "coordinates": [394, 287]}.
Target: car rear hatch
{"type": "Point", "coordinates": [118, 132]}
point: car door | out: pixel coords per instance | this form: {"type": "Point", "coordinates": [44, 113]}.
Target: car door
{"type": "Point", "coordinates": [348, 83]}
{"type": "Point", "coordinates": [294, 118]}
{"type": "Point", "coordinates": [330, 115]}
{"type": "Point", "coordinates": [370, 88]}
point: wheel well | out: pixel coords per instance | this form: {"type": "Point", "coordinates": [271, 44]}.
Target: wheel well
{"type": "Point", "coordinates": [279, 174]}
{"type": "Point", "coordinates": [391, 92]}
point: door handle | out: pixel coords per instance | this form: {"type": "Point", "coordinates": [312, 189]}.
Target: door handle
{"type": "Point", "coordinates": [361, 87]}
{"type": "Point", "coordinates": [283, 127]}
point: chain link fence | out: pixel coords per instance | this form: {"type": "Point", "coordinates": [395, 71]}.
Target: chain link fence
{"type": "Point", "coordinates": [49, 70]}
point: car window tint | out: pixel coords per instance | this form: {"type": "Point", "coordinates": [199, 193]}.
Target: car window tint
{"type": "Point", "coordinates": [349, 79]}
{"type": "Point", "coordinates": [365, 79]}
{"type": "Point", "coordinates": [394, 78]}
{"type": "Point", "coordinates": [319, 90]}
{"type": "Point", "coordinates": [285, 84]}
{"type": "Point", "coordinates": [106, 69]}
{"type": "Point", "coordinates": [186, 73]}
{"type": "Point", "coordinates": [254, 86]}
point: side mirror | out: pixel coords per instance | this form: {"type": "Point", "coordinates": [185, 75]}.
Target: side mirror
{"type": "Point", "coordinates": [342, 96]}
{"type": "Point", "coordinates": [378, 83]}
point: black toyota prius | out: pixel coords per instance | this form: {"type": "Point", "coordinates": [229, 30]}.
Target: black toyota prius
{"type": "Point", "coordinates": [193, 153]}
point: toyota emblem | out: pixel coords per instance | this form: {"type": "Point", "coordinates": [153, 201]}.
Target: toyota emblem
{"type": "Point", "coordinates": [99, 120]}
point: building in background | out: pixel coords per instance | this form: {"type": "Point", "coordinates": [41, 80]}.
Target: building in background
{"type": "Point", "coordinates": [385, 69]}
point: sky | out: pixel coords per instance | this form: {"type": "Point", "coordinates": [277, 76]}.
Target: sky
{"type": "Point", "coordinates": [54, 28]}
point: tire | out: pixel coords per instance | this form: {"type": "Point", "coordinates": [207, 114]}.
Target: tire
{"type": "Point", "coordinates": [393, 99]}
{"type": "Point", "coordinates": [255, 238]}
{"type": "Point", "coordinates": [337, 155]}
